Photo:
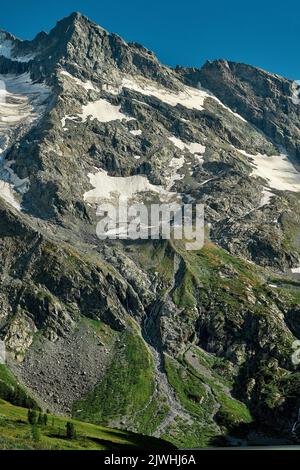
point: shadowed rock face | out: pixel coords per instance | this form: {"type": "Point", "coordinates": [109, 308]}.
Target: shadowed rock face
{"type": "Point", "coordinates": [146, 335]}
{"type": "Point", "coordinates": [262, 98]}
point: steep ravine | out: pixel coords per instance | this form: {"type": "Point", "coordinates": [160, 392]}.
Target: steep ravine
{"type": "Point", "coordinates": [150, 329]}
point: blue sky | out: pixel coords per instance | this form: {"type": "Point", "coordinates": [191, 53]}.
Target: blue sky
{"type": "Point", "coordinates": [264, 33]}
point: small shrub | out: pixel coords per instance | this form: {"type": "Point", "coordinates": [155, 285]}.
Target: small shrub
{"type": "Point", "coordinates": [71, 432]}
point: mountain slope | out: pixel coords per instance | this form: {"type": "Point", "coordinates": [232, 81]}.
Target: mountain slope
{"type": "Point", "coordinates": [16, 433]}
{"type": "Point", "coordinates": [144, 335]}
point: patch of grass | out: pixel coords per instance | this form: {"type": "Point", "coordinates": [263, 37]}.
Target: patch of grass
{"type": "Point", "coordinates": [189, 389]}
{"type": "Point", "coordinates": [155, 257]}
{"type": "Point", "coordinates": [104, 332]}
{"type": "Point", "coordinates": [184, 295]}
{"type": "Point", "coordinates": [196, 435]}
{"type": "Point", "coordinates": [126, 393]}
{"type": "Point", "coordinates": [231, 411]}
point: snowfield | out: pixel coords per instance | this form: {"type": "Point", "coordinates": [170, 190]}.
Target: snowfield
{"type": "Point", "coordinates": [189, 97]}
{"type": "Point", "coordinates": [86, 85]}
{"type": "Point", "coordinates": [102, 110]}
{"type": "Point", "coordinates": [124, 187]}
{"type": "Point", "coordinates": [22, 102]}
{"type": "Point", "coordinates": [277, 170]}
{"type": "Point", "coordinates": [9, 195]}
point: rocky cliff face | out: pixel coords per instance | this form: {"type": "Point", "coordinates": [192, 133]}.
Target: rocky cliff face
{"type": "Point", "coordinates": [146, 335]}
{"type": "Point", "coordinates": [268, 101]}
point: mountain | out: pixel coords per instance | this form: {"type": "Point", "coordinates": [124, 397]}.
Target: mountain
{"type": "Point", "coordinates": [191, 346]}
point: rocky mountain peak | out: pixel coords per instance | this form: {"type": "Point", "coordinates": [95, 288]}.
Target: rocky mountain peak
{"type": "Point", "coordinates": [75, 22]}
{"type": "Point", "coordinates": [4, 36]}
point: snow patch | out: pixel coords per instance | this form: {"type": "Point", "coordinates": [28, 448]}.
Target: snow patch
{"type": "Point", "coordinates": [276, 169]}
{"type": "Point", "coordinates": [192, 147]}
{"type": "Point", "coordinates": [86, 85]}
{"type": "Point", "coordinates": [207, 181]}
{"type": "Point", "coordinates": [199, 159]}
{"type": "Point", "coordinates": [266, 197]}
{"type": "Point", "coordinates": [189, 97]}
{"type": "Point", "coordinates": [11, 184]}
{"type": "Point", "coordinates": [177, 142]}
{"type": "Point", "coordinates": [175, 164]}
{"type": "Point", "coordinates": [296, 92]}
{"type": "Point", "coordinates": [22, 103]}
{"type": "Point", "coordinates": [7, 173]}
{"type": "Point", "coordinates": [102, 110]}
{"type": "Point", "coordinates": [196, 148]}
{"type": "Point", "coordinates": [25, 58]}
{"type": "Point", "coordinates": [122, 187]}
{"type": "Point", "coordinates": [136, 132]}
{"type": "Point", "coordinates": [8, 194]}
{"type": "Point", "coordinates": [70, 117]}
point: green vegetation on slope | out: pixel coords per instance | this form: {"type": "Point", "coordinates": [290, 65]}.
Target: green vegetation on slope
{"type": "Point", "coordinates": [12, 391]}
{"type": "Point", "coordinates": [204, 396]}
{"type": "Point", "coordinates": [17, 433]}
{"type": "Point", "coordinates": [213, 268]}
{"type": "Point", "coordinates": [126, 393]}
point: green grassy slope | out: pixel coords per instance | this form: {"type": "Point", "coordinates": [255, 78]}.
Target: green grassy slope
{"type": "Point", "coordinates": [17, 433]}
{"type": "Point", "coordinates": [126, 394]}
